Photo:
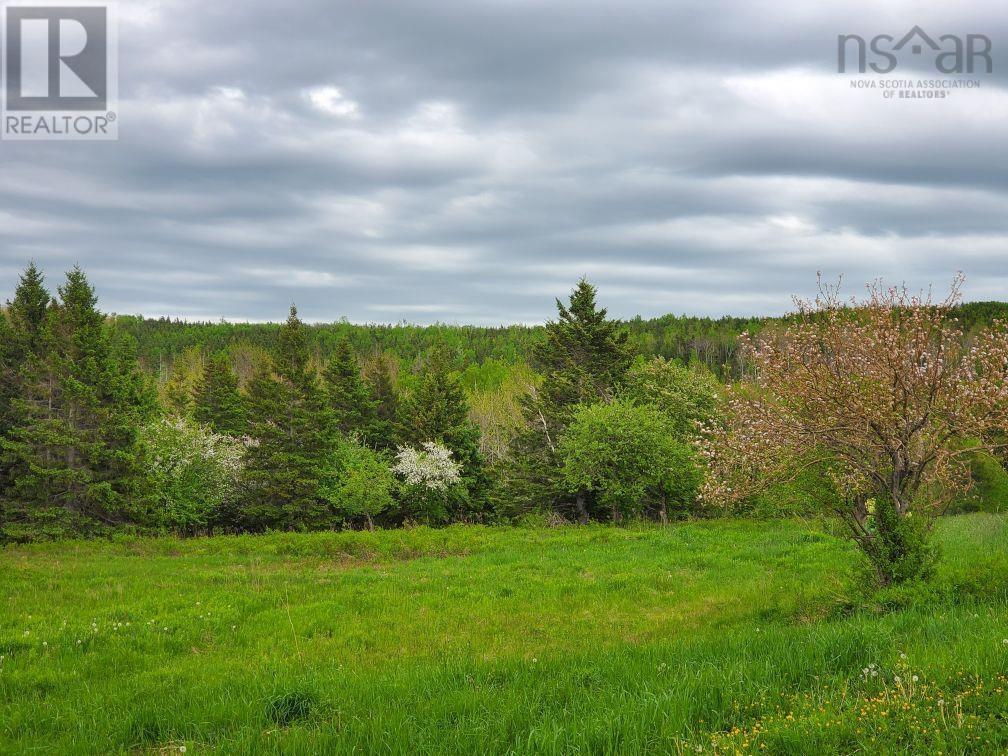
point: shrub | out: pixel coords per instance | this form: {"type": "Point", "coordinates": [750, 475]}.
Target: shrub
{"type": "Point", "coordinates": [363, 485]}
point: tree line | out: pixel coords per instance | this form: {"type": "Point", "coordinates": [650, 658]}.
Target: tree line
{"type": "Point", "coordinates": [90, 440]}
{"type": "Point", "coordinates": [880, 412]}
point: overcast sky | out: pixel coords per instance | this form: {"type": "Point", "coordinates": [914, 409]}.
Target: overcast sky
{"type": "Point", "coordinates": [468, 161]}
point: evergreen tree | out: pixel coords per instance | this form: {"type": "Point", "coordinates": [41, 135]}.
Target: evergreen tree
{"type": "Point", "coordinates": [217, 401]}
{"type": "Point", "coordinates": [584, 358]}
{"type": "Point", "coordinates": [382, 386]}
{"type": "Point", "coordinates": [21, 328]}
{"type": "Point", "coordinates": [436, 410]}
{"type": "Point", "coordinates": [73, 442]}
{"type": "Point", "coordinates": [355, 410]}
{"type": "Point", "coordinates": [295, 439]}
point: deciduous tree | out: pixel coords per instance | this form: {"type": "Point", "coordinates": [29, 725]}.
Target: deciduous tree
{"type": "Point", "coordinates": [886, 397]}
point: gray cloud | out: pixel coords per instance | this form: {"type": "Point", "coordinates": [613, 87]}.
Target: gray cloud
{"type": "Point", "coordinates": [467, 161]}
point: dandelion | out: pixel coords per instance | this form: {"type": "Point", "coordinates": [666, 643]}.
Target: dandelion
{"type": "Point", "coordinates": [28, 632]}
{"type": "Point", "coordinates": [915, 678]}
{"type": "Point", "coordinates": [45, 643]}
{"type": "Point", "coordinates": [181, 749]}
{"type": "Point", "coordinates": [902, 656]}
{"type": "Point", "coordinates": [896, 679]}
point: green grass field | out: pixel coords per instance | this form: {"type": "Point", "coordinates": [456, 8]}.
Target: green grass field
{"type": "Point", "coordinates": [720, 636]}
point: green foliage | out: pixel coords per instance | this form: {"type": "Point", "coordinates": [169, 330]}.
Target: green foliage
{"type": "Point", "coordinates": [900, 550]}
{"type": "Point", "coordinates": [621, 452]}
{"type": "Point", "coordinates": [381, 381]}
{"type": "Point", "coordinates": [355, 410]}
{"type": "Point", "coordinates": [21, 341]}
{"type": "Point", "coordinates": [363, 484]}
{"type": "Point", "coordinates": [294, 437]}
{"type": "Point", "coordinates": [436, 410]}
{"type": "Point", "coordinates": [72, 441]}
{"type": "Point", "coordinates": [178, 393]}
{"type": "Point", "coordinates": [686, 396]}
{"type": "Point", "coordinates": [990, 486]}
{"type": "Point", "coordinates": [217, 401]}
{"type": "Point", "coordinates": [196, 474]}
{"type": "Point", "coordinates": [583, 358]}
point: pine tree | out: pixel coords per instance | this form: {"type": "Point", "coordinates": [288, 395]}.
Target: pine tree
{"type": "Point", "coordinates": [436, 410]}
{"type": "Point", "coordinates": [218, 402]}
{"type": "Point", "coordinates": [73, 443]}
{"type": "Point", "coordinates": [355, 410]}
{"type": "Point", "coordinates": [295, 439]}
{"type": "Point", "coordinates": [584, 358]}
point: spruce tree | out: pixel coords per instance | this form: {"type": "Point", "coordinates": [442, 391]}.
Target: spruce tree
{"type": "Point", "coordinates": [21, 340]}
{"type": "Point", "coordinates": [295, 439]}
{"type": "Point", "coordinates": [382, 387]}
{"type": "Point", "coordinates": [583, 358]}
{"type": "Point", "coordinates": [73, 443]}
{"type": "Point", "coordinates": [355, 410]}
{"type": "Point", "coordinates": [437, 410]}
{"type": "Point", "coordinates": [21, 329]}
{"type": "Point", "coordinates": [217, 400]}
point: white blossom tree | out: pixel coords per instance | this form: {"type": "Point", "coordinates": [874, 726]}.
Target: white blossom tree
{"type": "Point", "coordinates": [195, 472]}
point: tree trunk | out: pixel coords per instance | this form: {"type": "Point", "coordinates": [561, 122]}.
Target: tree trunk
{"type": "Point", "coordinates": [582, 511]}
{"type": "Point", "coordinates": [663, 510]}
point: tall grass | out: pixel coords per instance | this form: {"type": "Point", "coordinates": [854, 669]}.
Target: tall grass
{"type": "Point", "coordinates": [725, 636]}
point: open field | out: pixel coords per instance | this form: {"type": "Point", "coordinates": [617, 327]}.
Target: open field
{"type": "Point", "coordinates": [721, 636]}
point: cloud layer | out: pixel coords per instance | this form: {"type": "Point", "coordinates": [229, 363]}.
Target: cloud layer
{"type": "Point", "coordinates": [466, 162]}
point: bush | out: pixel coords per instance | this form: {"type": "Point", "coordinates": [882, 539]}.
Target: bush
{"type": "Point", "coordinates": [363, 485]}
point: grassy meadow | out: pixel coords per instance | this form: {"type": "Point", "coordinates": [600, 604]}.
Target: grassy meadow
{"type": "Point", "coordinates": [723, 637]}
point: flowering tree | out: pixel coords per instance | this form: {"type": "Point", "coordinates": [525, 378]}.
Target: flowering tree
{"type": "Point", "coordinates": [886, 397]}
{"type": "Point", "coordinates": [431, 478]}
{"type": "Point", "coordinates": [430, 467]}
{"type": "Point", "coordinates": [195, 472]}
